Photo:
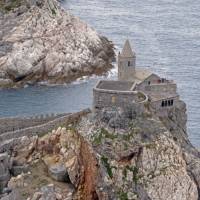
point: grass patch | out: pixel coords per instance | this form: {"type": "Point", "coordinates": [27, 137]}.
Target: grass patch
{"type": "Point", "coordinates": [124, 172]}
{"type": "Point", "coordinates": [106, 164]}
{"type": "Point", "coordinates": [7, 7]}
{"type": "Point", "coordinates": [107, 134]}
{"type": "Point", "coordinates": [150, 146]}
{"type": "Point", "coordinates": [53, 11]}
{"type": "Point", "coordinates": [100, 135]}
{"type": "Point", "coordinates": [134, 171]}
{"type": "Point", "coordinates": [122, 195]}
{"type": "Point", "coordinates": [25, 194]}
{"type": "Point", "coordinates": [128, 136]}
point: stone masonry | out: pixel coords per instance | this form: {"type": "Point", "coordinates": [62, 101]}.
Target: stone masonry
{"type": "Point", "coordinates": [135, 88]}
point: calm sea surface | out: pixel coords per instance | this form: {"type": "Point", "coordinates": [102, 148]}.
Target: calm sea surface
{"type": "Point", "coordinates": [164, 33]}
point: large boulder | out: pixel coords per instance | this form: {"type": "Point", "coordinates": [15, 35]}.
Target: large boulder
{"type": "Point", "coordinates": [58, 172]}
{"type": "Point", "coordinates": [56, 168]}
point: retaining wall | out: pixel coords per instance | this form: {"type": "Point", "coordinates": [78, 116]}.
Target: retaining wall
{"type": "Point", "coordinates": [164, 111]}
{"type": "Point", "coordinates": [15, 123]}
{"type": "Point", "coordinates": [44, 128]}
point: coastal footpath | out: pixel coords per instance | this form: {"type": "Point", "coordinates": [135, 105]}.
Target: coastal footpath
{"type": "Point", "coordinates": [41, 42]}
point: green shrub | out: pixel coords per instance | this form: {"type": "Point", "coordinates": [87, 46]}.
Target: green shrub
{"type": "Point", "coordinates": [134, 171]}
{"type": "Point", "coordinates": [122, 195]}
{"type": "Point", "coordinates": [100, 134]}
{"type": "Point", "coordinates": [106, 164]}
{"type": "Point", "coordinates": [53, 11]}
{"type": "Point", "coordinates": [10, 5]}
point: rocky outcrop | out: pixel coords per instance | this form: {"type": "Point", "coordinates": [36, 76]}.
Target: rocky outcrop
{"type": "Point", "coordinates": [4, 170]}
{"type": "Point", "coordinates": [42, 42]}
{"type": "Point", "coordinates": [147, 158]}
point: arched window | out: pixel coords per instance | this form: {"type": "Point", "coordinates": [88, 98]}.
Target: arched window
{"type": "Point", "coordinates": [172, 102]}
{"type": "Point", "coordinates": [163, 104]}
{"type": "Point", "coordinates": [129, 63]}
{"type": "Point", "coordinates": [169, 102]}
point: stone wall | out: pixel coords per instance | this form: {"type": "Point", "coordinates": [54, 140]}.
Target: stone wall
{"type": "Point", "coordinates": [122, 101]}
{"type": "Point", "coordinates": [163, 111]}
{"type": "Point", "coordinates": [15, 123]}
{"type": "Point", "coordinates": [40, 129]}
{"type": "Point", "coordinates": [161, 87]}
{"type": "Point", "coordinates": [108, 98]}
{"type": "Point", "coordinates": [125, 72]}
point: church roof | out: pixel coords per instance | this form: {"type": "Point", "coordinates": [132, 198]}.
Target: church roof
{"type": "Point", "coordinates": [127, 50]}
{"type": "Point", "coordinates": [142, 74]}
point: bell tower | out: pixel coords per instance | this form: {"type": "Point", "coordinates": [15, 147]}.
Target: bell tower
{"type": "Point", "coordinates": [126, 63]}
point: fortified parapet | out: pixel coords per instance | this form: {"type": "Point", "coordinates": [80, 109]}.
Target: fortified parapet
{"type": "Point", "coordinates": [118, 95]}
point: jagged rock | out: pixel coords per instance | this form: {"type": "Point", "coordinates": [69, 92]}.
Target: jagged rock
{"type": "Point", "coordinates": [48, 192]}
{"type": "Point", "coordinates": [4, 170]}
{"type": "Point", "coordinates": [56, 168]}
{"type": "Point", "coordinates": [17, 170]}
{"type": "Point", "coordinates": [36, 196]}
{"type": "Point", "coordinates": [73, 168]}
{"type": "Point", "coordinates": [16, 182]}
{"type": "Point", "coordinates": [42, 42]}
{"type": "Point", "coordinates": [14, 195]}
{"type": "Point", "coordinates": [58, 172]}
{"type": "Point", "coordinates": [144, 159]}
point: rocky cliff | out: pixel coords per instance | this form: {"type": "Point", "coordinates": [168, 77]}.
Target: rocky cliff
{"type": "Point", "coordinates": [144, 157]}
{"type": "Point", "coordinates": [39, 41]}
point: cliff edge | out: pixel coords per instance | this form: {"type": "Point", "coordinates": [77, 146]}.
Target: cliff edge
{"type": "Point", "coordinates": [39, 41]}
{"type": "Point", "coordinates": [108, 156]}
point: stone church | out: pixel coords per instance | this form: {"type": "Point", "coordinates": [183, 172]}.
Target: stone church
{"type": "Point", "coordinates": [135, 87]}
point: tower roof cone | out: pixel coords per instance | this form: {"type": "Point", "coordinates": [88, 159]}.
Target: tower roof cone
{"type": "Point", "coordinates": [127, 50]}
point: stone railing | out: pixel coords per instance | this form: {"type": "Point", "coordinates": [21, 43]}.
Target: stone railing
{"type": "Point", "coordinates": [6, 139]}
{"type": "Point", "coordinates": [16, 123]}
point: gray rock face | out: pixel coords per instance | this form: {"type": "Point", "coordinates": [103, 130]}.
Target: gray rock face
{"type": "Point", "coordinates": [16, 170]}
{"type": "Point", "coordinates": [58, 172]}
{"type": "Point", "coordinates": [42, 42]}
{"type": "Point", "coordinates": [48, 193]}
{"type": "Point", "coordinates": [14, 195]}
{"type": "Point", "coordinates": [145, 159]}
{"type": "Point", "coordinates": [4, 170]}
{"type": "Point", "coordinates": [150, 158]}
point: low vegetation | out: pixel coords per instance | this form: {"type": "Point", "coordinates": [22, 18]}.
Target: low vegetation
{"type": "Point", "coordinates": [107, 165]}
{"type": "Point", "coordinates": [6, 6]}
{"type": "Point", "coordinates": [101, 134]}
{"type": "Point", "coordinates": [122, 195]}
